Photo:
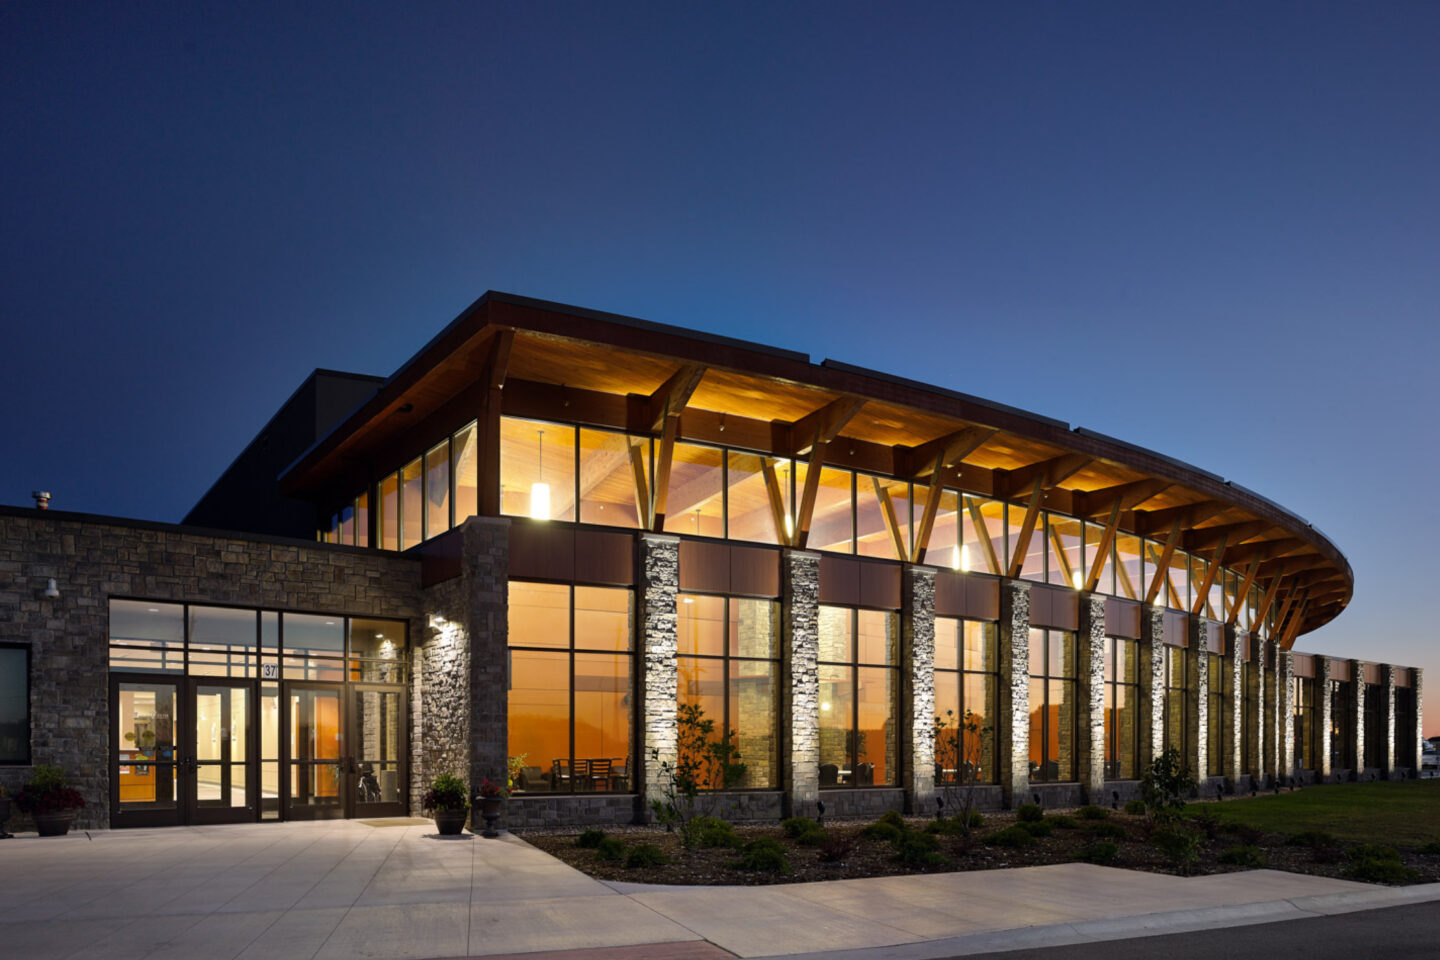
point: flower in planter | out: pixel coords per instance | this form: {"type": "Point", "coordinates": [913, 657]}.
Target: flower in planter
{"type": "Point", "coordinates": [490, 790]}
{"type": "Point", "coordinates": [447, 792]}
{"type": "Point", "coordinates": [48, 792]}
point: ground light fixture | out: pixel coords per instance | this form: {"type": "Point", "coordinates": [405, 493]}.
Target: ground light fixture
{"type": "Point", "coordinates": [540, 490]}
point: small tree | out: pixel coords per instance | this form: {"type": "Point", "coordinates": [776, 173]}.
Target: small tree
{"type": "Point", "coordinates": [704, 763]}
{"type": "Point", "coordinates": [1166, 785]}
{"type": "Point", "coordinates": [959, 752]}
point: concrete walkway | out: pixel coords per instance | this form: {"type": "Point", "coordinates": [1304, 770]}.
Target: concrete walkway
{"type": "Point", "coordinates": [345, 889]}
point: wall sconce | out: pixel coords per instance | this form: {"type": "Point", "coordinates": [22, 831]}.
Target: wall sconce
{"type": "Point", "coordinates": [52, 592]}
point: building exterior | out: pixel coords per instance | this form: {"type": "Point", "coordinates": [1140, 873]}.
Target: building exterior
{"type": "Point", "coordinates": [571, 549]}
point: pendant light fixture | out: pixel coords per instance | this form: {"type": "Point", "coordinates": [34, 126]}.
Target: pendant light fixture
{"type": "Point", "coordinates": [540, 490]}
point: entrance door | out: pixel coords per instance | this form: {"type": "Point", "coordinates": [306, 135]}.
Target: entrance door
{"type": "Point", "coordinates": [221, 761]}
{"type": "Point", "coordinates": [145, 755]}
{"type": "Point", "coordinates": [315, 752]}
{"type": "Point", "coordinates": [377, 732]}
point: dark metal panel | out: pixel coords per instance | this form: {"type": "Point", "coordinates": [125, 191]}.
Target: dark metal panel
{"type": "Point", "coordinates": [1340, 670]}
{"type": "Point", "coordinates": [754, 571]}
{"type": "Point", "coordinates": [440, 558]}
{"type": "Point", "coordinates": [879, 585]}
{"type": "Point", "coordinates": [1122, 618]}
{"type": "Point", "coordinates": [839, 580]}
{"type": "Point", "coordinates": [983, 595]}
{"type": "Point", "coordinates": [1040, 606]}
{"type": "Point", "coordinates": [602, 556]}
{"type": "Point", "coordinates": [950, 593]}
{"type": "Point", "coordinates": [542, 551]}
{"type": "Point", "coordinates": [1304, 665]}
{"type": "Point", "coordinates": [704, 566]}
{"type": "Point", "coordinates": [1064, 608]}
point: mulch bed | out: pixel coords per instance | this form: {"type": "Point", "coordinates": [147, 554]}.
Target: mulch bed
{"type": "Point", "coordinates": [868, 857]}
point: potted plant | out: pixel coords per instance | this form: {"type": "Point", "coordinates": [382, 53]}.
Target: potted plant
{"type": "Point", "coordinates": [448, 800]}
{"type": "Point", "coordinates": [490, 796]}
{"type": "Point", "coordinates": [50, 801]}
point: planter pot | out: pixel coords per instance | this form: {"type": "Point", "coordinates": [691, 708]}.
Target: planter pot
{"type": "Point", "coordinates": [489, 808]}
{"type": "Point", "coordinates": [450, 823]}
{"type": "Point", "coordinates": [53, 824]}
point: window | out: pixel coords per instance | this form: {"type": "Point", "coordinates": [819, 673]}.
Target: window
{"type": "Point", "coordinates": [571, 691]}
{"type": "Point", "coordinates": [14, 704]}
{"type": "Point", "coordinates": [966, 680]}
{"type": "Point", "coordinates": [1341, 752]}
{"type": "Point", "coordinates": [1122, 709]}
{"type": "Point", "coordinates": [1052, 705]}
{"type": "Point", "coordinates": [1175, 714]}
{"type": "Point", "coordinates": [1249, 717]}
{"type": "Point", "coordinates": [695, 505]}
{"type": "Point", "coordinates": [609, 463]}
{"type": "Point", "coordinates": [1374, 724]}
{"type": "Point", "coordinates": [729, 674]}
{"type": "Point", "coordinates": [1304, 723]}
{"type": "Point", "coordinates": [859, 692]}
{"type": "Point", "coordinates": [1219, 700]}
{"type": "Point", "coordinates": [537, 469]}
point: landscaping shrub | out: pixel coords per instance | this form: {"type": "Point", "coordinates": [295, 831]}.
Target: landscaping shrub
{"type": "Point", "coordinates": [1062, 822]}
{"type": "Point", "coordinates": [796, 826]}
{"type": "Point", "coordinates": [644, 855]}
{"type": "Point", "coordinates": [1136, 808]}
{"type": "Point", "coordinates": [814, 837]}
{"type": "Point", "coordinates": [1092, 812]}
{"type": "Point", "coordinates": [1106, 830]}
{"type": "Point", "coordinates": [1311, 838]}
{"type": "Point", "coordinates": [836, 847]}
{"type": "Point", "coordinates": [894, 818]}
{"type": "Point", "coordinates": [1243, 855]}
{"type": "Point", "coordinates": [1101, 852]}
{"type": "Point", "coordinates": [1374, 851]}
{"type": "Point", "coordinates": [1379, 870]}
{"type": "Point", "coordinates": [1013, 837]}
{"type": "Point", "coordinates": [1180, 843]}
{"type": "Point", "coordinates": [763, 856]}
{"type": "Point", "coordinates": [1036, 828]}
{"type": "Point", "coordinates": [916, 849]}
{"type": "Point", "coordinates": [1166, 785]}
{"type": "Point", "coordinates": [711, 832]}
{"type": "Point", "coordinates": [952, 826]}
{"type": "Point", "coordinates": [1431, 849]}
{"type": "Point", "coordinates": [1208, 821]}
{"type": "Point", "coordinates": [1029, 812]}
{"type": "Point", "coordinates": [1246, 834]}
{"type": "Point", "coordinates": [590, 839]}
{"type": "Point", "coordinates": [610, 848]}
{"type": "Point", "coordinates": [880, 830]}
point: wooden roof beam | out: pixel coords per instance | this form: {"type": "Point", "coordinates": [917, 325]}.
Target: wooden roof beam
{"type": "Point", "coordinates": [925, 459]}
{"type": "Point", "coordinates": [1233, 534]}
{"type": "Point", "coordinates": [1102, 551]}
{"type": "Point", "coordinates": [671, 396]}
{"type": "Point", "coordinates": [817, 426]}
{"type": "Point", "coordinates": [1162, 562]}
{"type": "Point", "coordinates": [1128, 495]}
{"type": "Point", "coordinates": [1287, 639]}
{"type": "Point", "coordinates": [1048, 473]}
{"type": "Point", "coordinates": [1027, 529]}
{"type": "Point", "coordinates": [1269, 549]}
{"type": "Point", "coordinates": [1151, 522]}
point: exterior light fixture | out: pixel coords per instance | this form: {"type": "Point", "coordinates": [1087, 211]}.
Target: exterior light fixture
{"type": "Point", "coordinates": [1077, 579]}
{"type": "Point", "coordinates": [540, 490]}
{"type": "Point", "coordinates": [52, 592]}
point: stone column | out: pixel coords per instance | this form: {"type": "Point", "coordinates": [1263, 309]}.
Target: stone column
{"type": "Point", "coordinates": [917, 687]}
{"type": "Point", "coordinates": [1357, 714]}
{"type": "Point", "coordinates": [1270, 708]}
{"type": "Point", "coordinates": [1415, 678]}
{"type": "Point", "coordinates": [1152, 685]}
{"type": "Point", "coordinates": [800, 714]}
{"type": "Point", "coordinates": [1090, 649]}
{"type": "Point", "coordinates": [1285, 706]}
{"type": "Point", "coordinates": [1233, 723]}
{"type": "Point", "coordinates": [659, 587]}
{"type": "Point", "coordinates": [1014, 732]}
{"type": "Point", "coordinates": [1387, 721]}
{"type": "Point", "coordinates": [1323, 719]}
{"type": "Point", "coordinates": [1197, 697]}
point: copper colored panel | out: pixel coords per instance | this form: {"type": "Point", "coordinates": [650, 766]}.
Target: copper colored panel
{"type": "Point", "coordinates": [754, 572]}
{"type": "Point", "coordinates": [1247, 647]}
{"type": "Point", "coordinates": [1402, 677]}
{"type": "Point", "coordinates": [704, 567]}
{"type": "Point", "coordinates": [839, 580]}
{"type": "Point", "coordinates": [1177, 628]}
{"type": "Point", "coordinates": [440, 558]}
{"type": "Point", "coordinates": [604, 557]}
{"type": "Point", "coordinates": [542, 551]}
{"type": "Point", "coordinates": [1122, 618]}
{"type": "Point", "coordinates": [1064, 608]}
{"type": "Point", "coordinates": [1214, 637]}
{"type": "Point", "coordinates": [1372, 673]}
{"type": "Point", "coordinates": [950, 594]}
{"type": "Point", "coordinates": [1039, 606]}
{"type": "Point", "coordinates": [1305, 665]}
{"type": "Point", "coordinates": [879, 585]}
{"type": "Point", "coordinates": [1340, 670]}
{"type": "Point", "coordinates": [983, 594]}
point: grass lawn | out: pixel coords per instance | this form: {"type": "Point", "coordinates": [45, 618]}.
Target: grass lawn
{"type": "Point", "coordinates": [1400, 812]}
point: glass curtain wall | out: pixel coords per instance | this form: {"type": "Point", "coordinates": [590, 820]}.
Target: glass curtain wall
{"type": "Point", "coordinates": [1176, 737]}
{"type": "Point", "coordinates": [1053, 700]}
{"type": "Point", "coordinates": [859, 693]}
{"type": "Point", "coordinates": [967, 684]}
{"type": "Point", "coordinates": [1305, 723]}
{"type": "Point", "coordinates": [1122, 709]}
{"type": "Point", "coordinates": [1218, 696]}
{"type": "Point", "coordinates": [571, 690]}
{"type": "Point", "coordinates": [729, 675]}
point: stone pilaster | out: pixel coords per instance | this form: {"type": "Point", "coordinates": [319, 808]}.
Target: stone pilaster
{"type": "Point", "coordinates": [1090, 650]}
{"type": "Point", "coordinates": [1323, 719]}
{"type": "Point", "coordinates": [1269, 727]}
{"type": "Point", "coordinates": [1419, 732]}
{"type": "Point", "coordinates": [487, 557]}
{"type": "Point", "coordinates": [1152, 685]}
{"type": "Point", "coordinates": [800, 589]}
{"type": "Point", "coordinates": [1387, 721]}
{"type": "Point", "coordinates": [1233, 722]}
{"type": "Point", "coordinates": [1197, 697]}
{"type": "Point", "coordinates": [659, 587]}
{"type": "Point", "coordinates": [917, 688]}
{"type": "Point", "coordinates": [1285, 706]}
{"type": "Point", "coordinates": [1358, 733]}
{"type": "Point", "coordinates": [1014, 733]}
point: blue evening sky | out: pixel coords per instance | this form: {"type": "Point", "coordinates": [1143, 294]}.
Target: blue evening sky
{"type": "Point", "coordinates": [1210, 229]}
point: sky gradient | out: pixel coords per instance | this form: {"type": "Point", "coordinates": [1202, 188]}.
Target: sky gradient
{"type": "Point", "coordinates": [1207, 230]}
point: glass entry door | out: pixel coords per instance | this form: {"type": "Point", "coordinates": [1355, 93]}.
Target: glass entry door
{"type": "Point", "coordinates": [315, 754]}
{"type": "Point", "coordinates": [222, 784]}
{"type": "Point", "coordinates": [377, 735]}
{"type": "Point", "coordinates": [145, 757]}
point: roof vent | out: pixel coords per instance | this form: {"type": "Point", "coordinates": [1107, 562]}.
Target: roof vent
{"type": "Point", "coordinates": [42, 499]}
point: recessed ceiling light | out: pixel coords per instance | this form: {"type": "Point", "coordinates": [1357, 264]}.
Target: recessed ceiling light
{"type": "Point", "coordinates": [153, 610]}
{"type": "Point", "coordinates": [329, 623]}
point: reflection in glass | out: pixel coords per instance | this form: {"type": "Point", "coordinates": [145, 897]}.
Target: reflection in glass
{"type": "Point", "coordinates": [608, 466]}
{"type": "Point", "coordinates": [146, 742]}
{"type": "Point", "coordinates": [412, 507]}
{"type": "Point", "coordinates": [695, 505]}
{"type": "Point", "coordinates": [437, 490]}
{"type": "Point", "coordinates": [831, 519]}
{"type": "Point", "coordinates": [751, 512]}
{"type": "Point", "coordinates": [462, 465]}
{"type": "Point", "coordinates": [389, 510]}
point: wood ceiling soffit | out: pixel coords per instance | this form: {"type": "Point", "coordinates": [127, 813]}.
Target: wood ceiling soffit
{"type": "Point", "coordinates": [1027, 529]}
{"type": "Point", "coordinates": [1050, 473]}
{"type": "Point", "coordinates": [1235, 534]}
{"type": "Point", "coordinates": [1268, 549]}
{"type": "Point", "coordinates": [924, 460]}
{"type": "Point", "coordinates": [818, 426]}
{"type": "Point", "coordinates": [1189, 514]}
{"type": "Point", "coordinates": [1128, 495]}
{"type": "Point", "coordinates": [671, 396]}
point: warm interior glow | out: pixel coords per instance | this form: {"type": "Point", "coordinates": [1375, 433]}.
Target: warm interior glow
{"type": "Point", "coordinates": [1077, 579]}
{"type": "Point", "coordinates": [539, 501]}
{"type": "Point", "coordinates": [789, 527]}
{"type": "Point", "coordinates": [963, 558]}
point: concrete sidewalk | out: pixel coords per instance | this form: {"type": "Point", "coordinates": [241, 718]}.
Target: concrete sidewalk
{"type": "Point", "coordinates": [345, 889]}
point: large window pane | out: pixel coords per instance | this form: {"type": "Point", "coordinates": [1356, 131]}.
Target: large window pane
{"type": "Point", "coordinates": [608, 464]}
{"type": "Point", "coordinates": [602, 618]}
{"type": "Point", "coordinates": [983, 528]}
{"type": "Point", "coordinates": [602, 713]}
{"type": "Point", "coordinates": [837, 642]}
{"type": "Point", "coordinates": [876, 746]}
{"type": "Point", "coordinates": [878, 637]}
{"type": "Point", "coordinates": [1033, 565]}
{"type": "Point", "coordinates": [696, 503]}
{"type": "Point", "coordinates": [437, 490]}
{"type": "Point", "coordinates": [882, 517]}
{"type": "Point", "coordinates": [539, 718]}
{"type": "Point", "coordinates": [832, 520]}
{"type": "Point", "coordinates": [1065, 565]}
{"type": "Point", "coordinates": [947, 647]}
{"type": "Point", "coordinates": [389, 513]}
{"type": "Point", "coordinates": [1094, 537]}
{"type": "Point", "coordinates": [754, 628]}
{"type": "Point", "coordinates": [467, 479]}
{"type": "Point", "coordinates": [1129, 577]}
{"type": "Point", "coordinates": [14, 704]}
{"type": "Point", "coordinates": [943, 548]}
{"type": "Point", "coordinates": [537, 469]}
{"type": "Point", "coordinates": [700, 626]}
{"type": "Point", "coordinates": [412, 500]}
{"type": "Point", "coordinates": [754, 712]}
{"type": "Point", "coordinates": [305, 634]}
{"type": "Point", "coordinates": [752, 481]}
{"type": "Point", "coordinates": [837, 712]}
{"type": "Point", "coordinates": [539, 615]}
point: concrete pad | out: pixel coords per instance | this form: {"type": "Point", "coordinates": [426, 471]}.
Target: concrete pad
{"type": "Point", "coordinates": [573, 923]}
{"type": "Point", "coordinates": [400, 931]}
{"type": "Point", "coordinates": [298, 933]}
